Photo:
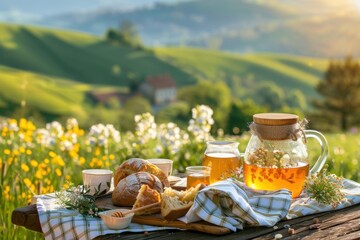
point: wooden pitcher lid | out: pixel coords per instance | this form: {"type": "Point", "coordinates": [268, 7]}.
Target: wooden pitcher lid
{"type": "Point", "coordinates": [275, 119]}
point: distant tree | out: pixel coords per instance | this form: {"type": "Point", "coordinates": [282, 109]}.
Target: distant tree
{"type": "Point", "coordinates": [130, 34]}
{"type": "Point", "coordinates": [216, 95]}
{"type": "Point", "coordinates": [178, 112]}
{"type": "Point", "coordinates": [135, 105]}
{"type": "Point", "coordinates": [114, 35]}
{"type": "Point", "coordinates": [134, 85]}
{"type": "Point", "coordinates": [241, 115]}
{"type": "Point", "coordinates": [296, 99]}
{"type": "Point", "coordinates": [341, 91]}
{"type": "Point", "coordinates": [270, 95]}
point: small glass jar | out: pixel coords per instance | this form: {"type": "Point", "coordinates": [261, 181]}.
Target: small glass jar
{"type": "Point", "coordinates": [197, 175]}
{"type": "Point", "coordinates": [223, 158]}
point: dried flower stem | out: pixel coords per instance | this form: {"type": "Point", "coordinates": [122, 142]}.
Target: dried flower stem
{"type": "Point", "coordinates": [325, 188]}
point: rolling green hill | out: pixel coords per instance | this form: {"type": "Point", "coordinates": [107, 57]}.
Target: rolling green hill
{"type": "Point", "coordinates": [52, 70]}
{"type": "Point", "coordinates": [288, 72]}
{"type": "Point", "coordinates": [79, 57]}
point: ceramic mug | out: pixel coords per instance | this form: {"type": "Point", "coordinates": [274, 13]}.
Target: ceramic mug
{"type": "Point", "coordinates": [98, 180]}
{"type": "Point", "coordinates": [164, 164]}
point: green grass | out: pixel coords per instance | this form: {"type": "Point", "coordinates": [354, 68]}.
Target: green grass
{"type": "Point", "coordinates": [46, 94]}
{"type": "Point", "coordinates": [18, 85]}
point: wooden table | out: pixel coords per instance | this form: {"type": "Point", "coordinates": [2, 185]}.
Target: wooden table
{"type": "Point", "coordinates": [340, 224]}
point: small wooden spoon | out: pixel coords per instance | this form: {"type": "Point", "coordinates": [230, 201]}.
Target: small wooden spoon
{"type": "Point", "coordinates": [120, 214]}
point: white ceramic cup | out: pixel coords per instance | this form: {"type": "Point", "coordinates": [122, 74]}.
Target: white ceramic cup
{"type": "Point", "coordinates": [164, 164]}
{"type": "Point", "coordinates": [93, 177]}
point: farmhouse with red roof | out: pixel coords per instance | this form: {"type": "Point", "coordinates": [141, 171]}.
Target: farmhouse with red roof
{"type": "Point", "coordinates": [159, 89]}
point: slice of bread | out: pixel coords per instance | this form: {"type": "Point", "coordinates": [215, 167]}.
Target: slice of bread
{"type": "Point", "coordinates": [173, 208]}
{"type": "Point", "coordinates": [176, 204]}
{"type": "Point", "coordinates": [147, 196]}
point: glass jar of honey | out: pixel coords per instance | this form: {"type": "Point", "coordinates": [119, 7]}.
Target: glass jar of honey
{"type": "Point", "coordinates": [276, 156]}
{"type": "Point", "coordinates": [223, 158]}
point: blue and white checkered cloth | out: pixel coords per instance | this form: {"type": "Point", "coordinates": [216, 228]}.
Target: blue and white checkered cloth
{"type": "Point", "coordinates": [231, 204]}
{"type": "Point", "coordinates": [227, 203]}
{"type": "Point", "coordinates": [60, 223]}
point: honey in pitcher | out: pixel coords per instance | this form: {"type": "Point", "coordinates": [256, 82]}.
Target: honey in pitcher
{"type": "Point", "coordinates": [222, 165]}
{"type": "Point", "coordinates": [266, 178]}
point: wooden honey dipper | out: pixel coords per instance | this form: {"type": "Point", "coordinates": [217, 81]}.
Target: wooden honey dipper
{"type": "Point", "coordinates": [120, 214]}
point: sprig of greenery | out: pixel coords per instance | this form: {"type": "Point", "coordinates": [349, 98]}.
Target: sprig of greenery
{"type": "Point", "coordinates": [78, 198]}
{"type": "Point", "coordinates": [325, 188]}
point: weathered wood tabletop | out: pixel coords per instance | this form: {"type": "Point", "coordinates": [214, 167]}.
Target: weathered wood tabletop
{"type": "Point", "coordinates": [340, 224]}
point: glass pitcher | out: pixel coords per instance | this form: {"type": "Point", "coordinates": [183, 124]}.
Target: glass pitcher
{"type": "Point", "coordinates": [276, 156]}
{"type": "Point", "coordinates": [223, 158]}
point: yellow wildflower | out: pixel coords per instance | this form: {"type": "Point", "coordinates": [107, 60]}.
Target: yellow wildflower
{"type": "Point", "coordinates": [47, 161]}
{"type": "Point", "coordinates": [50, 189]}
{"type": "Point", "coordinates": [10, 160]}
{"type": "Point", "coordinates": [23, 123]}
{"type": "Point", "coordinates": [73, 154]}
{"type": "Point", "coordinates": [66, 185]}
{"type": "Point", "coordinates": [59, 161]}
{"type": "Point", "coordinates": [111, 156]}
{"type": "Point", "coordinates": [28, 152]}
{"type": "Point", "coordinates": [23, 195]}
{"type": "Point", "coordinates": [15, 152]}
{"type": "Point", "coordinates": [7, 151]}
{"type": "Point", "coordinates": [34, 163]}
{"type": "Point", "coordinates": [38, 174]}
{"type": "Point", "coordinates": [52, 154]}
{"type": "Point", "coordinates": [25, 167]}
{"type": "Point", "coordinates": [97, 151]}
{"type": "Point", "coordinates": [27, 182]}
{"type": "Point", "coordinates": [67, 177]}
{"type": "Point", "coordinates": [81, 161]}
{"type": "Point", "coordinates": [22, 149]}
{"type": "Point", "coordinates": [58, 172]}
{"type": "Point", "coordinates": [6, 192]}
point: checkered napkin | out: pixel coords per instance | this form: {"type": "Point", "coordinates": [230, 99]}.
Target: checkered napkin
{"type": "Point", "coordinates": [231, 204]}
{"type": "Point", "coordinates": [305, 206]}
{"type": "Point", "coordinates": [59, 223]}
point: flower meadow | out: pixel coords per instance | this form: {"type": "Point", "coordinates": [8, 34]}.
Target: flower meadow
{"type": "Point", "coordinates": [38, 160]}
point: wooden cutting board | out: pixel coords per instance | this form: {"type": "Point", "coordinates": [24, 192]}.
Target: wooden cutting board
{"type": "Point", "coordinates": [157, 220]}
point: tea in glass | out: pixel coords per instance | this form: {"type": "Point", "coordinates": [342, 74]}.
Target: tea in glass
{"type": "Point", "coordinates": [222, 165]}
{"type": "Point", "coordinates": [196, 175]}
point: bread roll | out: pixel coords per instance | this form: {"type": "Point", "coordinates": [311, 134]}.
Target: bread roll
{"type": "Point", "coordinates": [128, 188]}
{"type": "Point", "coordinates": [134, 165]}
{"type": "Point", "coordinates": [146, 197]}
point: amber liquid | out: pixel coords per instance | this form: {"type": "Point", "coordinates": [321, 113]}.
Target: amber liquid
{"type": "Point", "coordinates": [193, 179]}
{"type": "Point", "coordinates": [265, 178]}
{"type": "Point", "coordinates": [222, 165]}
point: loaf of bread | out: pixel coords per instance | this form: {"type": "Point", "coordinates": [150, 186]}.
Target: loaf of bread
{"type": "Point", "coordinates": [134, 165]}
{"type": "Point", "coordinates": [127, 189]}
{"type": "Point", "coordinates": [175, 204]}
{"type": "Point", "coordinates": [147, 196]}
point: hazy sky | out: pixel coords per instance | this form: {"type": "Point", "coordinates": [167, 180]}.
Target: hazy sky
{"type": "Point", "coordinates": [22, 10]}
{"type": "Point", "coordinates": [27, 10]}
